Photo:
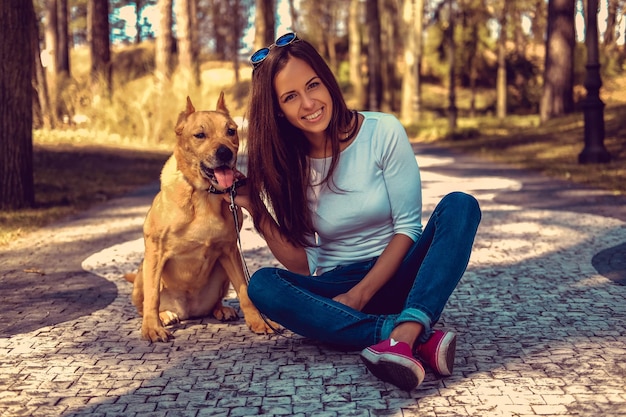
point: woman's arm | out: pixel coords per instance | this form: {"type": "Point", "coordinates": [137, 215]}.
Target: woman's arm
{"type": "Point", "coordinates": [382, 271]}
{"type": "Point", "coordinates": [292, 257]}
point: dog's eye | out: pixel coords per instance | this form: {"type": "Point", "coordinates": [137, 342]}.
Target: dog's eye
{"type": "Point", "coordinates": [231, 131]}
{"type": "Point", "coordinates": [200, 135]}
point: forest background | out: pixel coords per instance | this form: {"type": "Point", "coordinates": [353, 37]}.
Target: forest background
{"type": "Point", "coordinates": [87, 111]}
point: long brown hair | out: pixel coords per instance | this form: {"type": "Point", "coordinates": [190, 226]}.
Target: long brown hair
{"type": "Point", "coordinates": [277, 151]}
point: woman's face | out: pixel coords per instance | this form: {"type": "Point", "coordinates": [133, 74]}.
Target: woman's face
{"type": "Point", "coordinates": [303, 98]}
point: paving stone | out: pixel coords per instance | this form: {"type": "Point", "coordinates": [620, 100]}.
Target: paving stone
{"type": "Point", "coordinates": [540, 314]}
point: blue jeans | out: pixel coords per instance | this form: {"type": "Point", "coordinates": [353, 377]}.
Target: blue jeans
{"type": "Point", "coordinates": [418, 291]}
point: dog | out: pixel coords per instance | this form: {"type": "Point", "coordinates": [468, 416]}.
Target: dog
{"type": "Point", "coordinates": [191, 254]}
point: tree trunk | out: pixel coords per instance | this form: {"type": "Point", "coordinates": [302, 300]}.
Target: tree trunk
{"type": "Point", "coordinates": [52, 43]}
{"type": "Point", "coordinates": [219, 31]}
{"type": "Point", "coordinates": [388, 22]}
{"type": "Point", "coordinates": [138, 24]}
{"type": "Point", "coordinates": [264, 23]}
{"type": "Point", "coordinates": [452, 109]}
{"type": "Point", "coordinates": [293, 13]}
{"type": "Point", "coordinates": [63, 40]}
{"type": "Point", "coordinates": [237, 32]}
{"type": "Point", "coordinates": [41, 101]}
{"type": "Point", "coordinates": [558, 84]}
{"type": "Point", "coordinates": [408, 78]}
{"type": "Point", "coordinates": [501, 85]}
{"type": "Point", "coordinates": [419, 29]}
{"type": "Point", "coordinates": [354, 36]}
{"type": "Point", "coordinates": [187, 58]}
{"type": "Point", "coordinates": [16, 119]}
{"type": "Point", "coordinates": [374, 61]}
{"type": "Point", "coordinates": [164, 42]}
{"type": "Point", "coordinates": [100, 48]}
{"type": "Point", "coordinates": [611, 22]}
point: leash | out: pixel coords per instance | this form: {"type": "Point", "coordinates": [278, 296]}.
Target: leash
{"type": "Point", "coordinates": [233, 209]}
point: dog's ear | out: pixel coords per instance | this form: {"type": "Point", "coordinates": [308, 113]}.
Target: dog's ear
{"type": "Point", "coordinates": [190, 108]}
{"type": "Point", "coordinates": [183, 115]}
{"type": "Point", "coordinates": [221, 105]}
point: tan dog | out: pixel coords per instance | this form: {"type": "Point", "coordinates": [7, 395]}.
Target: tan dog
{"type": "Point", "coordinates": [191, 254]}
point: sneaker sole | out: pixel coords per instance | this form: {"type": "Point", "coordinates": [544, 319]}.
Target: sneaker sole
{"type": "Point", "coordinates": [403, 373]}
{"type": "Point", "coordinates": [445, 364]}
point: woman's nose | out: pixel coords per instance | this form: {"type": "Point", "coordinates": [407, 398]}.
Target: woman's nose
{"type": "Point", "coordinates": [307, 101]}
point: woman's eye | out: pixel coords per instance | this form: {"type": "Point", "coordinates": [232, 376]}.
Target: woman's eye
{"type": "Point", "coordinates": [200, 135]}
{"type": "Point", "coordinates": [289, 97]}
{"type": "Point", "coordinates": [314, 84]}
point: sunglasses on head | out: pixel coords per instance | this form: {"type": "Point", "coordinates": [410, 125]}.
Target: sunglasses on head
{"type": "Point", "coordinates": [260, 55]}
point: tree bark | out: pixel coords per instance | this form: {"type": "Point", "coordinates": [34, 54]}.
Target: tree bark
{"type": "Point", "coordinates": [41, 101]}
{"type": "Point", "coordinates": [264, 23]}
{"type": "Point", "coordinates": [452, 109]}
{"type": "Point", "coordinates": [611, 22]}
{"type": "Point", "coordinates": [374, 61]}
{"type": "Point", "coordinates": [558, 84]}
{"type": "Point", "coordinates": [501, 84]}
{"type": "Point", "coordinates": [16, 119]}
{"type": "Point", "coordinates": [100, 47]}
{"type": "Point", "coordinates": [354, 36]}
{"type": "Point", "coordinates": [63, 39]}
{"type": "Point", "coordinates": [52, 41]}
{"type": "Point", "coordinates": [164, 41]}
{"type": "Point", "coordinates": [138, 24]}
{"type": "Point", "coordinates": [187, 50]}
{"type": "Point", "coordinates": [408, 78]}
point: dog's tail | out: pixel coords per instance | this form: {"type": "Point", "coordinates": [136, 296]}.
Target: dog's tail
{"type": "Point", "coordinates": [130, 276]}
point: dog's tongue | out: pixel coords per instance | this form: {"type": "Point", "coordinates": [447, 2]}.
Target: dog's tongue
{"type": "Point", "coordinates": [225, 177]}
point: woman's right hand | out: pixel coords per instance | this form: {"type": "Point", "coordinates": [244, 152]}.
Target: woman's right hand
{"type": "Point", "coordinates": [242, 196]}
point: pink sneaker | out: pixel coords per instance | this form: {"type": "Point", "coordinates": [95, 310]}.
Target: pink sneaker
{"type": "Point", "coordinates": [393, 362]}
{"type": "Point", "coordinates": [438, 352]}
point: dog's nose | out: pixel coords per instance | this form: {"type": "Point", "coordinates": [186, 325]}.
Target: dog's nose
{"type": "Point", "coordinates": [224, 154]}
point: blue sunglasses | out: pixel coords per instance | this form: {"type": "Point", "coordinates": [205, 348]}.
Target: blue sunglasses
{"type": "Point", "coordinates": [260, 55]}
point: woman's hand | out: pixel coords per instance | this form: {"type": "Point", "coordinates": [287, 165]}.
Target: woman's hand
{"type": "Point", "coordinates": [351, 299]}
{"type": "Point", "coordinates": [242, 198]}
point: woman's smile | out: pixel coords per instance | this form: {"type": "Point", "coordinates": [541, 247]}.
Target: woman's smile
{"type": "Point", "coordinates": [313, 116]}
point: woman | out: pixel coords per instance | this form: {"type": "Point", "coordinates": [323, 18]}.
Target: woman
{"type": "Point", "coordinates": [344, 191]}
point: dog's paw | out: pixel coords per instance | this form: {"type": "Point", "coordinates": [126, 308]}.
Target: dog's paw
{"type": "Point", "coordinates": [263, 326]}
{"type": "Point", "coordinates": [156, 334]}
{"type": "Point", "coordinates": [224, 313]}
{"type": "Point", "coordinates": [168, 317]}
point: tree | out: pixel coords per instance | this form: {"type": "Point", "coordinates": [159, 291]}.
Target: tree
{"type": "Point", "coordinates": [452, 108]}
{"type": "Point", "coordinates": [375, 85]}
{"type": "Point", "coordinates": [16, 115]}
{"type": "Point", "coordinates": [52, 40]}
{"type": "Point", "coordinates": [501, 84]}
{"type": "Point", "coordinates": [355, 50]}
{"type": "Point", "coordinates": [63, 39]}
{"type": "Point", "coordinates": [186, 35]}
{"type": "Point", "coordinates": [45, 117]}
{"type": "Point", "coordinates": [390, 40]}
{"type": "Point", "coordinates": [558, 81]}
{"type": "Point", "coordinates": [412, 18]}
{"type": "Point", "coordinates": [264, 23]}
{"type": "Point", "coordinates": [99, 43]}
{"type": "Point", "coordinates": [164, 41]}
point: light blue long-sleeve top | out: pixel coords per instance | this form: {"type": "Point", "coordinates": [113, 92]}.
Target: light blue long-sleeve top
{"type": "Point", "coordinates": [375, 193]}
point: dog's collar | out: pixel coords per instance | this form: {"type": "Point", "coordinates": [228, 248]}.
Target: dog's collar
{"type": "Point", "coordinates": [236, 184]}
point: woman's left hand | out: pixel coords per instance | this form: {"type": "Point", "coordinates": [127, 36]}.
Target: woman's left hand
{"type": "Point", "coordinates": [351, 299]}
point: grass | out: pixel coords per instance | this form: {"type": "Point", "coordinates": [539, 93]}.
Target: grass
{"type": "Point", "coordinates": [129, 139]}
{"type": "Point", "coordinates": [551, 148]}
{"type": "Point", "coordinates": [70, 178]}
